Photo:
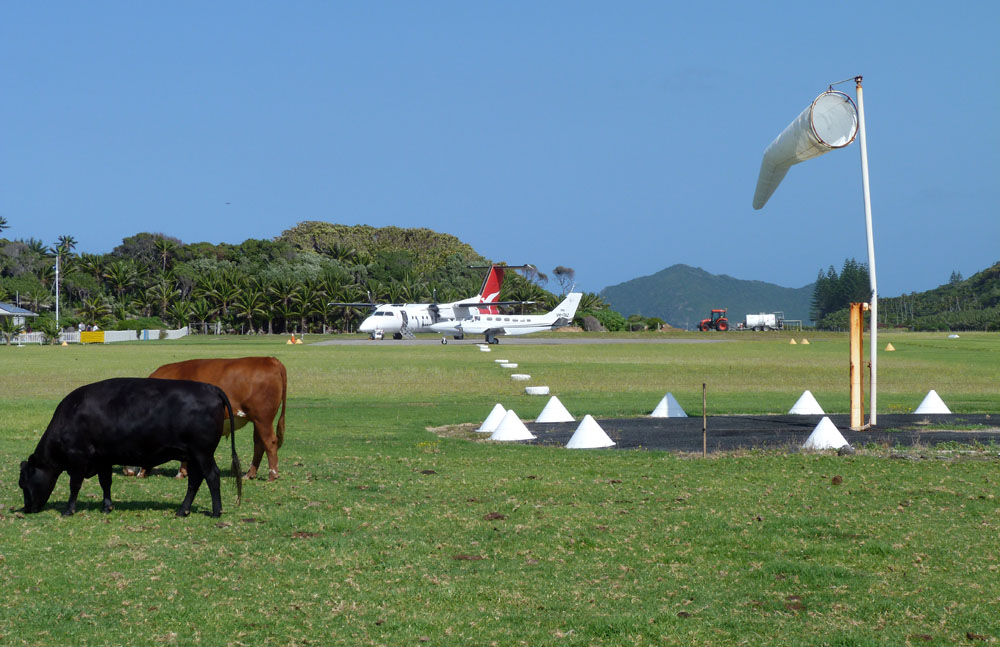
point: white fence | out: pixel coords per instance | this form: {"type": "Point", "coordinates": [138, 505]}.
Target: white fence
{"type": "Point", "coordinates": [28, 338]}
{"type": "Point", "coordinates": [112, 336]}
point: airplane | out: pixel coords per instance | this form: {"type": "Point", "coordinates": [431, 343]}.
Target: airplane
{"type": "Point", "coordinates": [492, 324]}
{"type": "Point", "coordinates": [404, 319]}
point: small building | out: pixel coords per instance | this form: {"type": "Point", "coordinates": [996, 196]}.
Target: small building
{"type": "Point", "coordinates": [20, 315]}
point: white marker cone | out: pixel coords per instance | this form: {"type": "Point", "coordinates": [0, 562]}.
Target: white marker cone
{"type": "Point", "coordinates": [932, 404]}
{"type": "Point", "coordinates": [806, 405]}
{"type": "Point", "coordinates": [589, 435]}
{"type": "Point", "coordinates": [668, 408]}
{"type": "Point", "coordinates": [496, 415]}
{"type": "Point", "coordinates": [511, 428]}
{"type": "Point", "coordinates": [825, 436]}
{"type": "Point", "coordinates": [554, 411]}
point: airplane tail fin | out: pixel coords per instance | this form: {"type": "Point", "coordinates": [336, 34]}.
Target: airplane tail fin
{"type": "Point", "coordinates": [491, 289]}
{"type": "Point", "coordinates": [564, 312]}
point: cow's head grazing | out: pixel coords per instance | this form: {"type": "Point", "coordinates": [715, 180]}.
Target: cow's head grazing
{"type": "Point", "coordinates": [37, 483]}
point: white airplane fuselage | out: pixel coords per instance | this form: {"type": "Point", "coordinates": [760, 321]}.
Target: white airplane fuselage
{"type": "Point", "coordinates": [492, 325]}
{"type": "Point", "coordinates": [392, 318]}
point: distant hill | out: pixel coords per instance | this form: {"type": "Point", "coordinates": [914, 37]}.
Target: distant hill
{"type": "Point", "coordinates": [683, 295]}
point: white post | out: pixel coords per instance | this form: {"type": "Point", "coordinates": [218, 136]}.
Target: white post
{"type": "Point", "coordinates": [871, 256]}
{"type": "Point", "coordinates": [57, 288]}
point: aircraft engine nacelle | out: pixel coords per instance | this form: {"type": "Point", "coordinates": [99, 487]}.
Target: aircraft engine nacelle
{"type": "Point", "coordinates": [830, 122]}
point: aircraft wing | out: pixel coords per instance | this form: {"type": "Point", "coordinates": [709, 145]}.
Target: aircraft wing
{"type": "Point", "coordinates": [487, 304]}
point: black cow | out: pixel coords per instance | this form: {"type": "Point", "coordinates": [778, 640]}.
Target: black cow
{"type": "Point", "coordinates": [131, 421]}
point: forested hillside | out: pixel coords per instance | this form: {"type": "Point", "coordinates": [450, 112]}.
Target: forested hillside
{"type": "Point", "coordinates": [281, 285]}
{"type": "Point", "coordinates": [682, 296]}
{"type": "Point", "coordinates": [960, 304]}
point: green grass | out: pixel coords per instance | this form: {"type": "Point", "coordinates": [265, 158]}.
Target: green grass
{"type": "Point", "coordinates": [381, 533]}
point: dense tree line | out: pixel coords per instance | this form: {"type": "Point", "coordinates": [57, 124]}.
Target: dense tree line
{"type": "Point", "coordinates": [960, 304]}
{"type": "Point", "coordinates": [285, 285]}
{"type": "Point", "coordinates": [834, 292]}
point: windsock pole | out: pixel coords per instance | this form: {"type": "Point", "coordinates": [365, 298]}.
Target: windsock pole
{"type": "Point", "coordinates": [871, 255]}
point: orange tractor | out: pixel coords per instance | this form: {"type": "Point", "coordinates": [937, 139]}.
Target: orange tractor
{"type": "Point", "coordinates": [717, 322]}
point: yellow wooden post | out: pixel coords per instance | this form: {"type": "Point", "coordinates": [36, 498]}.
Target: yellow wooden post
{"type": "Point", "coordinates": [857, 342]}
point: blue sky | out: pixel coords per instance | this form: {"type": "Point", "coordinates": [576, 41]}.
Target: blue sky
{"type": "Point", "coordinates": [614, 138]}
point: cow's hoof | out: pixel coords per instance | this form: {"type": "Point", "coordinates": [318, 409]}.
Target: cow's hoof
{"type": "Point", "coordinates": [130, 471]}
{"type": "Point", "coordinates": [107, 509]}
{"type": "Point", "coordinates": [251, 474]}
{"type": "Point", "coordinates": [183, 513]}
{"type": "Point", "coordinates": [68, 512]}
{"type": "Point", "coordinates": [272, 475]}
{"type": "Point", "coordinates": [181, 475]}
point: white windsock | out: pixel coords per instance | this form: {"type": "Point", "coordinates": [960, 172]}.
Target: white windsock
{"type": "Point", "coordinates": [668, 408]}
{"type": "Point", "coordinates": [589, 435]}
{"type": "Point", "coordinates": [511, 428]}
{"type": "Point", "coordinates": [932, 404]}
{"type": "Point", "coordinates": [825, 436]}
{"type": "Point", "coordinates": [830, 121]}
{"type": "Point", "coordinates": [492, 420]}
{"type": "Point", "coordinates": [554, 411]}
{"type": "Point", "coordinates": [806, 405]}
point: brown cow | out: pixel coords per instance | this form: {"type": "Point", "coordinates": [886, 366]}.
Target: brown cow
{"type": "Point", "coordinates": [256, 387]}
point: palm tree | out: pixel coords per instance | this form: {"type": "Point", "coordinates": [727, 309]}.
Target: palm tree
{"type": "Point", "coordinates": [3, 224]}
{"type": "Point", "coordinates": [46, 274]}
{"type": "Point", "coordinates": [65, 244]}
{"type": "Point", "coordinates": [347, 294]}
{"type": "Point", "coordinates": [165, 248]}
{"type": "Point", "coordinates": [38, 299]}
{"type": "Point", "coordinates": [591, 302]}
{"type": "Point", "coordinates": [249, 306]}
{"type": "Point", "coordinates": [122, 309]}
{"type": "Point", "coordinates": [310, 296]}
{"type": "Point", "coordinates": [122, 275]}
{"type": "Point", "coordinates": [163, 293]}
{"type": "Point", "coordinates": [36, 246]}
{"type": "Point", "coordinates": [324, 311]}
{"type": "Point", "coordinates": [9, 329]}
{"type": "Point", "coordinates": [413, 289]}
{"type": "Point", "coordinates": [200, 312]}
{"type": "Point", "coordinates": [94, 265]}
{"type": "Point", "coordinates": [284, 294]}
{"type": "Point", "coordinates": [180, 313]}
{"type": "Point", "coordinates": [95, 310]}
{"type": "Point", "coordinates": [49, 328]}
{"type": "Point", "coordinates": [223, 291]}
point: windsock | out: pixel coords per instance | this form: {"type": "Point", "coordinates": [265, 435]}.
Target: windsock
{"type": "Point", "coordinates": [830, 122]}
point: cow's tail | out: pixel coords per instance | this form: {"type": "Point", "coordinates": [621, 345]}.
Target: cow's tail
{"type": "Point", "coordinates": [235, 464]}
{"type": "Point", "coordinates": [280, 431]}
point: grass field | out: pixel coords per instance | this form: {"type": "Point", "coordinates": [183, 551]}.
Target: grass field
{"type": "Point", "coordinates": [381, 533]}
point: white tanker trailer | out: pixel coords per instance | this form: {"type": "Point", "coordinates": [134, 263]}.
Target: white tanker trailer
{"type": "Point", "coordinates": [764, 321]}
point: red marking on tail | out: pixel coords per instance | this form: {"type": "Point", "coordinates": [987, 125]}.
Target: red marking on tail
{"type": "Point", "coordinates": [490, 291]}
